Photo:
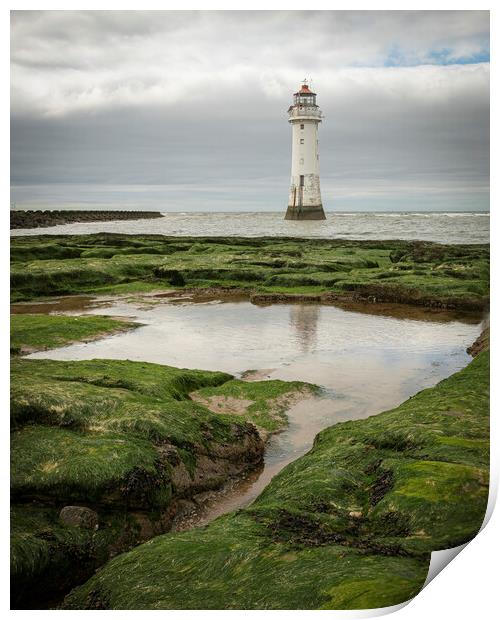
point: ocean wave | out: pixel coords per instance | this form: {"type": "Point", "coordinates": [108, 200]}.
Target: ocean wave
{"type": "Point", "coordinates": [441, 227]}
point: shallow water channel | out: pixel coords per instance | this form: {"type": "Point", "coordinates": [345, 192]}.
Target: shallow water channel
{"type": "Point", "coordinates": [365, 362]}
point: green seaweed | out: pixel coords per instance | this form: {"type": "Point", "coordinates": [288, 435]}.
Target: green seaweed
{"type": "Point", "coordinates": [266, 402]}
{"type": "Point", "coordinates": [405, 271]}
{"type": "Point", "coordinates": [108, 434]}
{"type": "Point", "coordinates": [349, 525]}
{"type": "Point", "coordinates": [40, 331]}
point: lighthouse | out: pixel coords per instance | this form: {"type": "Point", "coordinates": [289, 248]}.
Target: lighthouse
{"type": "Point", "coordinates": [304, 202]}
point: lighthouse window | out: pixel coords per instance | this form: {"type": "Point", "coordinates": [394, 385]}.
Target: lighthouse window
{"type": "Point", "coordinates": [302, 140]}
{"type": "Point", "coordinates": [301, 180]}
{"type": "Point", "coordinates": [302, 125]}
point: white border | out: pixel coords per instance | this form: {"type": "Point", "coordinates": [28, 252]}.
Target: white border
{"type": "Point", "coordinates": [468, 586]}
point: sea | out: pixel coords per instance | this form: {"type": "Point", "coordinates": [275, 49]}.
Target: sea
{"type": "Point", "coordinates": [473, 227]}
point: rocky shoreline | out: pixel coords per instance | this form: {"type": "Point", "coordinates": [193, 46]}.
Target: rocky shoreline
{"type": "Point", "coordinates": [374, 295]}
{"type": "Point", "coordinates": [353, 522]}
{"type": "Point", "coordinates": [45, 219]}
{"type": "Point", "coordinates": [268, 270]}
{"type": "Point", "coordinates": [125, 442]}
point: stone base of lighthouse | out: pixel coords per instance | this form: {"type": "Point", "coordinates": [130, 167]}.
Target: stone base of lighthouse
{"type": "Point", "coordinates": [304, 200]}
{"type": "Point", "coordinates": [305, 213]}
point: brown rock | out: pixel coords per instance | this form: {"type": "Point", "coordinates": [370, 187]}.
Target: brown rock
{"type": "Point", "coordinates": [481, 343]}
{"type": "Point", "coordinates": [79, 516]}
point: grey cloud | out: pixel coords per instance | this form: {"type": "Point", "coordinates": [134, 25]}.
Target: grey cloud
{"type": "Point", "coordinates": [194, 104]}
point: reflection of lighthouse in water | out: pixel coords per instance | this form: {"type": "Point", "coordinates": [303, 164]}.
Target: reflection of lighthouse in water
{"type": "Point", "coordinates": [304, 318]}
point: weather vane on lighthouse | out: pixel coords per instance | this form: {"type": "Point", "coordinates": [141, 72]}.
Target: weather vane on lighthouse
{"type": "Point", "coordinates": [304, 202]}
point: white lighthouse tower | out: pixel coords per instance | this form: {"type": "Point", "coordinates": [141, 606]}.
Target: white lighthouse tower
{"type": "Point", "coordinates": [304, 202]}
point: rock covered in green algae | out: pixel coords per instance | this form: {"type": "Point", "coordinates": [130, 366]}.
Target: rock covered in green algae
{"type": "Point", "coordinates": [118, 432]}
{"type": "Point", "coordinates": [350, 525]}
{"type": "Point", "coordinates": [264, 403]}
{"type": "Point", "coordinates": [123, 438]}
{"type": "Point", "coordinates": [412, 272]}
{"type": "Point", "coordinates": [33, 332]}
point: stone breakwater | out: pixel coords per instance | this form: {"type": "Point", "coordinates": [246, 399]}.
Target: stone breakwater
{"type": "Point", "coordinates": [43, 219]}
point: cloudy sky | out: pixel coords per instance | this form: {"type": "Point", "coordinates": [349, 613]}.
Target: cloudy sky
{"type": "Point", "coordinates": [186, 111]}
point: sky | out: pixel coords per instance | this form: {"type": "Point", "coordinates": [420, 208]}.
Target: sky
{"type": "Point", "coordinates": [186, 111]}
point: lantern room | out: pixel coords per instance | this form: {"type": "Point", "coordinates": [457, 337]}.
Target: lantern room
{"type": "Point", "coordinates": [304, 97]}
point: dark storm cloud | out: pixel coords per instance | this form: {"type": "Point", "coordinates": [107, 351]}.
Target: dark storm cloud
{"type": "Point", "coordinates": [194, 104]}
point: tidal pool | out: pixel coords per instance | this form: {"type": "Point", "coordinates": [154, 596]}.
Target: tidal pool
{"type": "Point", "coordinates": [365, 363]}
